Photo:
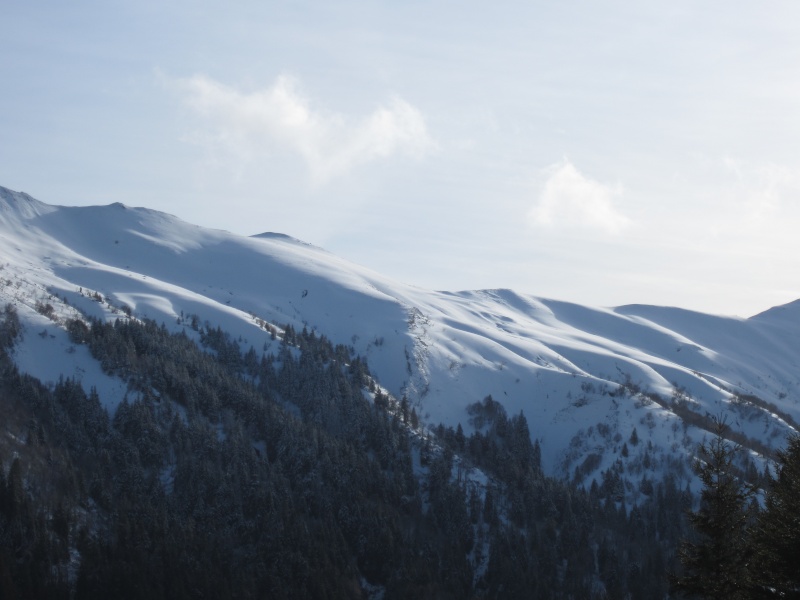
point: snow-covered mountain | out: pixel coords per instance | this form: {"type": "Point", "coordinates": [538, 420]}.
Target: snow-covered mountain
{"type": "Point", "coordinates": [585, 377]}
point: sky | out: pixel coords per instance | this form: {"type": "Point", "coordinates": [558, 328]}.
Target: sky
{"type": "Point", "coordinates": [599, 152]}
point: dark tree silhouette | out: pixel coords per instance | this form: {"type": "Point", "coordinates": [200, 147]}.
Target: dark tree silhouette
{"type": "Point", "coordinates": [717, 561]}
{"type": "Point", "coordinates": [777, 533]}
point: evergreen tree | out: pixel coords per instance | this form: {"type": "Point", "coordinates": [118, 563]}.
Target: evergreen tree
{"type": "Point", "coordinates": [777, 534]}
{"type": "Point", "coordinates": [717, 562]}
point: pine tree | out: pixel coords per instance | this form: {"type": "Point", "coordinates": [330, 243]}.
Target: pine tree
{"type": "Point", "coordinates": [777, 535]}
{"type": "Point", "coordinates": [717, 563]}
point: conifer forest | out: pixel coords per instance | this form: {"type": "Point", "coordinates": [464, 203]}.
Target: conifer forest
{"type": "Point", "coordinates": [232, 472]}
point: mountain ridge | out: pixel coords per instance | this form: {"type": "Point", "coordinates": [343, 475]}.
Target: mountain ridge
{"type": "Point", "coordinates": [568, 367]}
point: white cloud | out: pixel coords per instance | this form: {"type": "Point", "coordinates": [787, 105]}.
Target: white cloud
{"type": "Point", "coordinates": [253, 123]}
{"type": "Point", "coordinates": [571, 200]}
{"type": "Point", "coordinates": [763, 190]}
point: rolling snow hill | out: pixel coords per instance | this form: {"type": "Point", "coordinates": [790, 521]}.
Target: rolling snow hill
{"type": "Point", "coordinates": [585, 377]}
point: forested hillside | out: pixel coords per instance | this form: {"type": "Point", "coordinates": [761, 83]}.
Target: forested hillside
{"type": "Point", "coordinates": [234, 473]}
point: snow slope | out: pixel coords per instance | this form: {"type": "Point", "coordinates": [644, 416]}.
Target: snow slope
{"type": "Point", "coordinates": [562, 364]}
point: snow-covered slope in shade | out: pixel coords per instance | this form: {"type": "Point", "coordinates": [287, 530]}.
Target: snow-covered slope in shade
{"type": "Point", "coordinates": [562, 364]}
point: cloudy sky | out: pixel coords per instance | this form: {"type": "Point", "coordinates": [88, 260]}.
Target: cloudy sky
{"type": "Point", "coordinates": [593, 151]}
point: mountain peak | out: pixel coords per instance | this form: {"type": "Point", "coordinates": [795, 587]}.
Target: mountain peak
{"type": "Point", "coordinates": [271, 235]}
{"type": "Point", "coordinates": [785, 312]}
{"type": "Point", "coordinates": [21, 205]}
{"type": "Point", "coordinates": [280, 237]}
